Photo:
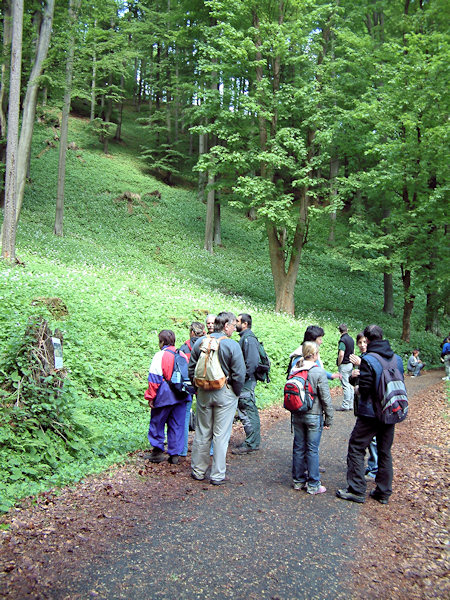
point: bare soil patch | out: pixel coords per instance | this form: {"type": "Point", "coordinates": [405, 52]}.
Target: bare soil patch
{"type": "Point", "coordinates": [405, 545]}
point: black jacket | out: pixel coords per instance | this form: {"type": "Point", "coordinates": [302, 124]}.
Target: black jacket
{"type": "Point", "coordinates": [369, 374]}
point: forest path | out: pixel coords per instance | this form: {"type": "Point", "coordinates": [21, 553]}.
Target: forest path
{"type": "Point", "coordinates": [149, 532]}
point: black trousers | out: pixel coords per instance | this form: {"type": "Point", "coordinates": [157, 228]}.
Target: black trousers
{"type": "Point", "coordinates": [363, 432]}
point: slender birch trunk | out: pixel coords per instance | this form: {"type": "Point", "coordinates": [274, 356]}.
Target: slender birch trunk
{"type": "Point", "coordinates": [74, 6]}
{"type": "Point", "coordinates": [10, 221]}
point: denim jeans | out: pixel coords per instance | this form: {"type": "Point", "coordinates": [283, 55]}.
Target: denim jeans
{"type": "Point", "coordinates": [305, 453]}
{"type": "Point", "coordinates": [372, 463]}
{"type": "Point", "coordinates": [186, 427]}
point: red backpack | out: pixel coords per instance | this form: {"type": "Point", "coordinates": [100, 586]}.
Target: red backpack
{"type": "Point", "coordinates": [298, 392]}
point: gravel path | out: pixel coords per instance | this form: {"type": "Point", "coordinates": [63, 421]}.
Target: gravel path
{"type": "Point", "coordinates": [254, 538]}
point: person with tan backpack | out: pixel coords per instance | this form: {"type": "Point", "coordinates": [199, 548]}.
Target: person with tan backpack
{"type": "Point", "coordinates": [217, 370]}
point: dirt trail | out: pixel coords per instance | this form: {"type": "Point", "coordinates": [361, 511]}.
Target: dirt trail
{"type": "Point", "coordinates": [149, 532]}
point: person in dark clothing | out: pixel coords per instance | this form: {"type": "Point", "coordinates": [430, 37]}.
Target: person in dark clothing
{"type": "Point", "coordinates": [372, 463]}
{"type": "Point", "coordinates": [247, 409]}
{"type": "Point", "coordinates": [367, 426]}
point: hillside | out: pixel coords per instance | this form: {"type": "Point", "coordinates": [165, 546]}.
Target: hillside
{"type": "Point", "coordinates": [123, 276]}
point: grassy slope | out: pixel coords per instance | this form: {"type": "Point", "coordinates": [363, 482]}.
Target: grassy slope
{"type": "Point", "coordinates": [125, 276]}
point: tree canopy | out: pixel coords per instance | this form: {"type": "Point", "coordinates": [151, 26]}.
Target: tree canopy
{"type": "Point", "coordinates": [284, 108]}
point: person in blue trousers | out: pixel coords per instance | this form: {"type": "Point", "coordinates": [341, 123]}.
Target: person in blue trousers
{"type": "Point", "coordinates": [196, 331]}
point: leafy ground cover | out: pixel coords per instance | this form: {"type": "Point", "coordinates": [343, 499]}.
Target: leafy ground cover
{"type": "Point", "coordinates": [122, 276]}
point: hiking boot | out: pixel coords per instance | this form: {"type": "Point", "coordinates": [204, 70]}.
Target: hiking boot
{"type": "Point", "coordinates": [320, 490]}
{"type": "Point", "coordinates": [243, 449]}
{"type": "Point", "coordinates": [156, 456]}
{"type": "Point", "coordinates": [375, 495]}
{"type": "Point", "coordinates": [299, 485]}
{"type": "Point", "coordinates": [196, 477]}
{"type": "Point", "coordinates": [223, 481]}
{"type": "Point", "coordinates": [174, 459]}
{"type": "Point", "coordinates": [346, 495]}
{"type": "Point", "coordinates": [370, 476]}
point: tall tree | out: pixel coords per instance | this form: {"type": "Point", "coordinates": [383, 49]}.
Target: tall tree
{"type": "Point", "coordinates": [74, 5]}
{"type": "Point", "coordinates": [9, 222]}
{"type": "Point", "coordinates": [43, 28]}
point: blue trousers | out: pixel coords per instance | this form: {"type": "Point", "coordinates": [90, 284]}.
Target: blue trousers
{"type": "Point", "coordinates": [305, 456]}
{"type": "Point", "coordinates": [186, 428]}
{"type": "Point", "coordinates": [174, 417]}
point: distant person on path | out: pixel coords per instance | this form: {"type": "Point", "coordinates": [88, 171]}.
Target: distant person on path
{"type": "Point", "coordinates": [372, 463]}
{"type": "Point", "coordinates": [247, 410]}
{"type": "Point", "coordinates": [415, 365]}
{"type": "Point", "coordinates": [346, 347]}
{"type": "Point", "coordinates": [308, 426]}
{"type": "Point", "coordinates": [210, 323]}
{"type": "Point", "coordinates": [216, 408]}
{"type": "Point", "coordinates": [368, 425]}
{"type": "Point", "coordinates": [166, 408]}
{"type": "Point", "coordinates": [313, 333]}
{"type": "Point", "coordinates": [196, 330]}
{"type": "Point", "coordinates": [446, 356]}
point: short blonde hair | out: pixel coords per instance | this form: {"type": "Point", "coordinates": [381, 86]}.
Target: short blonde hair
{"type": "Point", "coordinates": [309, 349]}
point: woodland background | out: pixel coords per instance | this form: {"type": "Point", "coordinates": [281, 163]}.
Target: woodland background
{"type": "Point", "coordinates": [167, 159]}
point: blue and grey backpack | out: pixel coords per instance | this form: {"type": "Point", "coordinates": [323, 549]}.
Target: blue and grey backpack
{"type": "Point", "coordinates": [391, 391]}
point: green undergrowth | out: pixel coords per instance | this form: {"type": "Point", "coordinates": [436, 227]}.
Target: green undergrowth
{"type": "Point", "coordinates": [123, 277]}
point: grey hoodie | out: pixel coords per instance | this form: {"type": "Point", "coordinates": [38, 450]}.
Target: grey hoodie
{"type": "Point", "coordinates": [317, 377]}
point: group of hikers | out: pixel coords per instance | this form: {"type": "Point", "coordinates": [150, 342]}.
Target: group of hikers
{"type": "Point", "coordinates": [223, 373]}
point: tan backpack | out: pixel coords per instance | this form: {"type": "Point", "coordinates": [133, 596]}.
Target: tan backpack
{"type": "Point", "coordinates": [208, 373]}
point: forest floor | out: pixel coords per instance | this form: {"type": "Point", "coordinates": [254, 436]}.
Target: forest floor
{"type": "Point", "coordinates": [147, 531]}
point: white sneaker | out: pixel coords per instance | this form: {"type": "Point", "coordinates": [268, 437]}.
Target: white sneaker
{"type": "Point", "coordinates": [320, 490]}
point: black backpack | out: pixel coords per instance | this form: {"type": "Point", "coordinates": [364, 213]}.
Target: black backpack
{"type": "Point", "coordinates": [263, 368]}
{"type": "Point", "coordinates": [179, 381]}
{"type": "Point", "coordinates": [392, 405]}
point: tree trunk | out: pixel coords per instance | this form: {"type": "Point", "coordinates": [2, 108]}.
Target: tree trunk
{"type": "Point", "coordinates": [217, 228]}
{"type": "Point", "coordinates": [29, 104]}
{"type": "Point", "coordinates": [6, 9]}
{"type": "Point", "coordinates": [202, 149]}
{"type": "Point", "coordinates": [388, 306]}
{"type": "Point", "coordinates": [7, 30]}
{"type": "Point", "coordinates": [10, 221]}
{"type": "Point", "coordinates": [408, 304]}
{"type": "Point", "coordinates": [209, 225]}
{"type": "Point", "coordinates": [118, 133]}
{"type": "Point", "coordinates": [432, 313]}
{"type": "Point", "coordinates": [334, 170]}
{"type": "Point", "coordinates": [285, 280]}
{"type": "Point", "coordinates": [93, 85]}
{"type": "Point", "coordinates": [108, 113]}
{"type": "Point", "coordinates": [74, 5]}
